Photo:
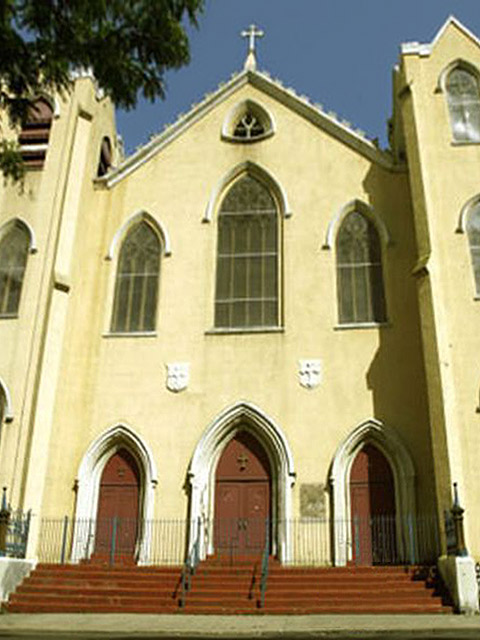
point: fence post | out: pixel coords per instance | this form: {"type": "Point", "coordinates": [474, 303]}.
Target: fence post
{"type": "Point", "coordinates": [356, 528]}
{"type": "Point", "coordinates": [457, 515]}
{"type": "Point", "coordinates": [4, 522]}
{"type": "Point", "coordinates": [412, 539]}
{"type": "Point", "coordinates": [114, 540]}
{"type": "Point", "coordinates": [64, 540]}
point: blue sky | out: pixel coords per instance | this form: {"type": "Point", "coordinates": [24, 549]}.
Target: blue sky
{"type": "Point", "coordinates": [340, 53]}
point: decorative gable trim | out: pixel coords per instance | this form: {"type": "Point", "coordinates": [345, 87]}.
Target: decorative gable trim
{"type": "Point", "coordinates": [425, 49]}
{"type": "Point", "coordinates": [341, 130]}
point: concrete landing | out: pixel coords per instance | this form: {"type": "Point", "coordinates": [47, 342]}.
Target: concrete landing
{"type": "Point", "coordinates": [112, 626]}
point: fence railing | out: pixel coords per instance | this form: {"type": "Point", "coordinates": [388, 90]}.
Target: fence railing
{"type": "Point", "coordinates": [14, 528]}
{"type": "Point", "coordinates": [300, 541]}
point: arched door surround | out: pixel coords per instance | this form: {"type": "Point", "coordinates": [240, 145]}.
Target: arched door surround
{"type": "Point", "coordinates": [242, 497]}
{"type": "Point", "coordinates": [389, 444]}
{"type": "Point", "coordinates": [372, 504]}
{"type": "Point", "coordinates": [245, 417]}
{"type": "Point", "coordinates": [118, 506]}
{"type": "Point", "coordinates": [117, 438]}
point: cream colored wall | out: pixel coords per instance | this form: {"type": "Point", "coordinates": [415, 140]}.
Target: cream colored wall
{"type": "Point", "coordinates": [444, 178]}
{"type": "Point", "coordinates": [105, 380]}
{"type": "Point", "coordinates": [31, 343]}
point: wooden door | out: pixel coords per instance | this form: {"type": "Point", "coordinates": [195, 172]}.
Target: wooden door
{"type": "Point", "coordinates": [118, 502]}
{"type": "Point", "coordinates": [242, 497]}
{"type": "Point", "coordinates": [372, 499]}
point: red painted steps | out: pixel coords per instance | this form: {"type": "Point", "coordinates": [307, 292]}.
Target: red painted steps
{"type": "Point", "coordinates": [97, 588]}
{"type": "Point", "coordinates": [231, 589]}
{"type": "Point", "coordinates": [314, 590]}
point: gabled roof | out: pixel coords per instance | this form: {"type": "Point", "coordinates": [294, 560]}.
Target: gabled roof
{"type": "Point", "coordinates": [427, 48]}
{"type": "Point", "coordinates": [328, 122]}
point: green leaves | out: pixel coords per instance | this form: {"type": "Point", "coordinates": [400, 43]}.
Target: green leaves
{"type": "Point", "coordinates": [128, 45]}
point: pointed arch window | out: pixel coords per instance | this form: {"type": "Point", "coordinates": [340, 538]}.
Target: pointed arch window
{"type": "Point", "coordinates": [464, 105]}
{"type": "Point", "coordinates": [14, 245]}
{"type": "Point", "coordinates": [473, 233]}
{"type": "Point", "coordinates": [247, 258]}
{"type": "Point", "coordinates": [361, 297]}
{"type": "Point", "coordinates": [136, 284]}
{"type": "Point", "coordinates": [105, 160]}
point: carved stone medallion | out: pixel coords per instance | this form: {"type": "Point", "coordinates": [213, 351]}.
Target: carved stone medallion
{"type": "Point", "coordinates": [178, 376]}
{"type": "Point", "coordinates": [310, 373]}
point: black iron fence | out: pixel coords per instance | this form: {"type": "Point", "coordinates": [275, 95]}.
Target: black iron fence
{"type": "Point", "coordinates": [379, 540]}
{"type": "Point", "coordinates": [14, 528]}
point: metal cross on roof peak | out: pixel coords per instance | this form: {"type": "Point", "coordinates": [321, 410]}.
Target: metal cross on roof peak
{"type": "Point", "coordinates": [251, 33]}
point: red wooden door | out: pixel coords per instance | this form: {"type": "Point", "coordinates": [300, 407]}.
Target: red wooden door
{"type": "Point", "coordinates": [117, 516]}
{"type": "Point", "coordinates": [242, 497]}
{"type": "Point", "coordinates": [372, 499]}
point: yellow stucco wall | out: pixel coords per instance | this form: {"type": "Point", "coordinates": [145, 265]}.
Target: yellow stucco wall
{"type": "Point", "coordinates": [71, 380]}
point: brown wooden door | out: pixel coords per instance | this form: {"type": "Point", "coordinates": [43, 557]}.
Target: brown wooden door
{"type": "Point", "coordinates": [372, 498]}
{"type": "Point", "coordinates": [242, 497]}
{"type": "Point", "coordinates": [118, 500]}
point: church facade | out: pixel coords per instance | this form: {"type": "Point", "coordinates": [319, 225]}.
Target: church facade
{"type": "Point", "coordinates": [259, 328]}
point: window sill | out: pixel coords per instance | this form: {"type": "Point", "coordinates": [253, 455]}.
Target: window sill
{"type": "Point", "coordinates": [242, 330]}
{"type": "Point", "coordinates": [9, 316]}
{"type": "Point", "coordinates": [463, 143]}
{"type": "Point", "coordinates": [130, 334]}
{"type": "Point", "coordinates": [361, 325]}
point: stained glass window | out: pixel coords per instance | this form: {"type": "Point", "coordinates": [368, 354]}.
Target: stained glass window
{"type": "Point", "coordinates": [13, 259]}
{"type": "Point", "coordinates": [360, 292]}
{"type": "Point", "coordinates": [473, 232]}
{"type": "Point", "coordinates": [247, 260]}
{"type": "Point", "coordinates": [464, 105]}
{"type": "Point", "coordinates": [136, 286]}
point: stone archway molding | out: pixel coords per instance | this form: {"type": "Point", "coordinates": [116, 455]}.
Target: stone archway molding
{"type": "Point", "coordinates": [386, 439]}
{"type": "Point", "coordinates": [245, 416]}
{"type": "Point", "coordinates": [88, 483]}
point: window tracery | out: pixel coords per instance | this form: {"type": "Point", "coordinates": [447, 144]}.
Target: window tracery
{"type": "Point", "coordinates": [248, 126]}
{"type": "Point", "coordinates": [360, 292]}
{"type": "Point", "coordinates": [473, 233]}
{"type": "Point", "coordinates": [137, 279]}
{"type": "Point", "coordinates": [14, 245]}
{"type": "Point", "coordinates": [463, 98]}
{"type": "Point", "coordinates": [247, 257]}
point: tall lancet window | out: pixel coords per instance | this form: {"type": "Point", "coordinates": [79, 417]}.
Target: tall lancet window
{"type": "Point", "coordinates": [14, 246]}
{"type": "Point", "coordinates": [360, 292]}
{"type": "Point", "coordinates": [247, 259]}
{"type": "Point", "coordinates": [473, 232]}
{"type": "Point", "coordinates": [464, 105]}
{"type": "Point", "coordinates": [136, 286]}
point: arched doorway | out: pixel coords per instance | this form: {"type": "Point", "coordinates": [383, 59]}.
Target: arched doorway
{"type": "Point", "coordinates": [372, 503]}
{"type": "Point", "coordinates": [118, 506]}
{"type": "Point", "coordinates": [243, 488]}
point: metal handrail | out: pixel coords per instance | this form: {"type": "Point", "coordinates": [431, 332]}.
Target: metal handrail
{"type": "Point", "coordinates": [265, 565]}
{"type": "Point", "coordinates": [190, 566]}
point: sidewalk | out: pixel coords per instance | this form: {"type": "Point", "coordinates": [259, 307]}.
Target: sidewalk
{"type": "Point", "coordinates": [111, 626]}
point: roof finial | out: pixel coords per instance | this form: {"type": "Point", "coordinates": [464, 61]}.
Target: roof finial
{"type": "Point", "coordinates": [251, 33]}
